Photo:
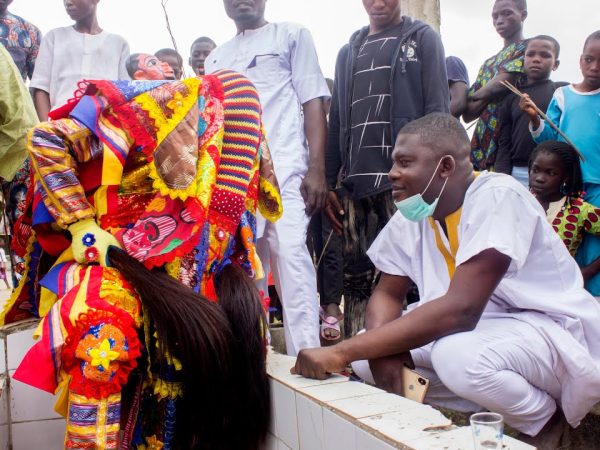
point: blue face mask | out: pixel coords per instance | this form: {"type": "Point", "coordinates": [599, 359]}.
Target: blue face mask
{"type": "Point", "coordinates": [415, 208]}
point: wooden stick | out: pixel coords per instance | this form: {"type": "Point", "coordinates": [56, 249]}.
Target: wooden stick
{"type": "Point", "coordinates": [324, 249]}
{"type": "Point", "coordinates": [543, 115]}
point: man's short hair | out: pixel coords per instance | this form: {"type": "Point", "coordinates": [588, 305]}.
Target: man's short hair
{"type": "Point", "coordinates": [132, 64]}
{"type": "Point", "coordinates": [544, 37]}
{"type": "Point", "coordinates": [169, 52]}
{"type": "Point", "coordinates": [204, 39]}
{"type": "Point", "coordinates": [521, 4]}
{"type": "Point", "coordinates": [595, 36]}
{"type": "Point", "coordinates": [438, 131]}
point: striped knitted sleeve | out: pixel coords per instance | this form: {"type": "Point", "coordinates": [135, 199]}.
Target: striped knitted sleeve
{"type": "Point", "coordinates": [55, 149]}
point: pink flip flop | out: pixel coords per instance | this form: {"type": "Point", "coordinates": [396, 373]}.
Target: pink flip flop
{"type": "Point", "coordinates": [330, 323]}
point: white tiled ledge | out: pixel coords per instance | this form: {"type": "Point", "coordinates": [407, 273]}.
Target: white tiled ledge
{"type": "Point", "coordinates": [337, 414]}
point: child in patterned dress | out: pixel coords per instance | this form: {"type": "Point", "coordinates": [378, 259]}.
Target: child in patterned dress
{"type": "Point", "coordinates": [555, 180]}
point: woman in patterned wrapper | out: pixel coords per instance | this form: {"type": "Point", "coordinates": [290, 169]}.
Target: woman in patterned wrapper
{"type": "Point", "coordinates": [555, 180]}
{"type": "Point", "coordinates": [141, 254]}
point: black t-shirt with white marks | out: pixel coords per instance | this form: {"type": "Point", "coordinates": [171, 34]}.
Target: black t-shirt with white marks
{"type": "Point", "coordinates": [371, 143]}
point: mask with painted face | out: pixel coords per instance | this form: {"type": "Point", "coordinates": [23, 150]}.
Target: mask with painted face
{"type": "Point", "coordinates": [415, 208]}
{"type": "Point", "coordinates": [143, 66]}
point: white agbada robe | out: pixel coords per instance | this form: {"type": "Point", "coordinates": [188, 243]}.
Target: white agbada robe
{"type": "Point", "coordinates": [555, 345]}
{"type": "Point", "coordinates": [281, 60]}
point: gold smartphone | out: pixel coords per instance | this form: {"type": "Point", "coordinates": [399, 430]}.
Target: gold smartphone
{"type": "Point", "coordinates": [414, 386]}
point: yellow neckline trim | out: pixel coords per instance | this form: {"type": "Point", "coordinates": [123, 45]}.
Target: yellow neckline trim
{"type": "Point", "coordinates": [449, 255]}
{"type": "Point", "coordinates": [452, 222]}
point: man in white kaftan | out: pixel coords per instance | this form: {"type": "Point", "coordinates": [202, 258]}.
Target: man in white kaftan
{"type": "Point", "coordinates": [549, 350]}
{"type": "Point", "coordinates": [281, 60]}
{"type": "Point", "coordinates": [504, 322]}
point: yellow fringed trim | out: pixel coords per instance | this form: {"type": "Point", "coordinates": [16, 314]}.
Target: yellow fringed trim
{"type": "Point", "coordinates": [180, 105]}
{"type": "Point", "coordinates": [113, 291]}
{"type": "Point", "coordinates": [269, 201]}
{"type": "Point", "coordinates": [146, 319]}
{"type": "Point", "coordinates": [204, 181]}
{"type": "Point", "coordinates": [22, 282]}
{"type": "Point", "coordinates": [168, 358]}
{"type": "Point", "coordinates": [164, 389]}
{"type": "Point", "coordinates": [160, 186]}
{"type": "Point", "coordinates": [173, 268]}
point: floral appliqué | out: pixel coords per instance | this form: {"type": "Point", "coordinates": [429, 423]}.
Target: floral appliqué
{"type": "Point", "coordinates": [88, 240]}
{"type": "Point", "coordinates": [91, 254]}
{"type": "Point", "coordinates": [101, 353]}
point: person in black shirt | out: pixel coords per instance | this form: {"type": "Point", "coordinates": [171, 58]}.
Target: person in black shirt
{"type": "Point", "coordinates": [458, 83]}
{"type": "Point", "coordinates": [389, 74]}
{"type": "Point", "coordinates": [516, 143]}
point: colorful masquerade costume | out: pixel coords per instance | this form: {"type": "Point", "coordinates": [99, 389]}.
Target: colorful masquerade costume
{"type": "Point", "coordinates": [176, 172]}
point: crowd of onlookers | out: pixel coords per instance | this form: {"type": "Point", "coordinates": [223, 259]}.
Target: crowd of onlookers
{"type": "Point", "coordinates": [333, 146]}
{"type": "Point", "coordinates": [332, 143]}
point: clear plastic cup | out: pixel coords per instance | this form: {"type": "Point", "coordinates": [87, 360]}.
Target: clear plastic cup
{"type": "Point", "coordinates": [488, 430]}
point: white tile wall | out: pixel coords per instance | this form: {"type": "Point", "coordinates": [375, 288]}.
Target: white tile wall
{"type": "Point", "coordinates": [334, 414]}
{"type": "Point", "coordinates": [310, 423]}
{"type": "Point", "coordinates": [46, 434]}
{"type": "Point", "coordinates": [271, 443]}
{"type": "Point", "coordinates": [338, 391]}
{"type": "Point", "coordinates": [284, 404]}
{"type": "Point", "coordinates": [2, 366]}
{"type": "Point", "coordinates": [18, 345]}
{"type": "Point", "coordinates": [343, 415]}
{"type": "Point", "coordinates": [404, 426]}
{"type": "Point", "coordinates": [366, 441]}
{"type": "Point", "coordinates": [3, 437]}
{"type": "Point", "coordinates": [29, 403]}
{"type": "Point", "coordinates": [279, 368]}
{"type": "Point", "coordinates": [35, 424]}
{"type": "Point", "coordinates": [3, 397]}
{"type": "Point", "coordinates": [370, 405]}
{"type": "Point", "coordinates": [282, 446]}
{"type": "Point", "coordinates": [273, 424]}
{"type": "Point", "coordinates": [338, 433]}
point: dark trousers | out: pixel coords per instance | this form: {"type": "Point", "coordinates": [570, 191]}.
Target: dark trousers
{"type": "Point", "coordinates": [327, 247]}
{"type": "Point", "coordinates": [363, 220]}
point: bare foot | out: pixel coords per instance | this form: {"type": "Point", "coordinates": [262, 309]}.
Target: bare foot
{"type": "Point", "coordinates": [333, 309]}
{"type": "Point", "coordinates": [550, 437]}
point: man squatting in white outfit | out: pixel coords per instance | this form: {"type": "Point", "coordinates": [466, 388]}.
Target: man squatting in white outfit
{"type": "Point", "coordinates": [281, 60]}
{"type": "Point", "coordinates": [504, 322]}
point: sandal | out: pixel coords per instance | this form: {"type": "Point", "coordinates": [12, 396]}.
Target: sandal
{"type": "Point", "coordinates": [330, 323]}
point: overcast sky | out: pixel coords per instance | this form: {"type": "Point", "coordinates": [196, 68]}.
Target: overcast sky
{"type": "Point", "coordinates": [467, 29]}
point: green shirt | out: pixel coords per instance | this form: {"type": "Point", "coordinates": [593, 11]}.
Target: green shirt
{"type": "Point", "coordinates": [17, 116]}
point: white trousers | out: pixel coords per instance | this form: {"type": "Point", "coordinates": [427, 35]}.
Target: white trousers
{"type": "Point", "coordinates": [282, 249]}
{"type": "Point", "coordinates": [504, 366]}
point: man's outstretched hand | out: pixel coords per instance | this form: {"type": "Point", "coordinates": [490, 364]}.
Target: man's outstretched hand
{"type": "Point", "coordinates": [319, 363]}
